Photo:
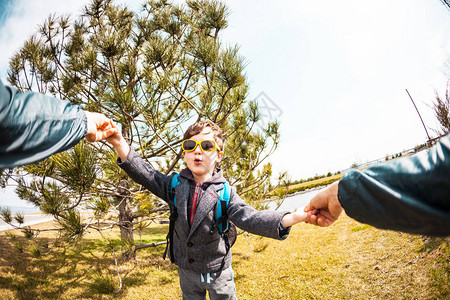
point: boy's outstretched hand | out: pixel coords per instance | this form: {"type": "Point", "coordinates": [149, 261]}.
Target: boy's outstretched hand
{"type": "Point", "coordinates": [324, 208]}
{"type": "Point", "coordinates": [293, 218]}
{"type": "Point", "coordinates": [99, 127]}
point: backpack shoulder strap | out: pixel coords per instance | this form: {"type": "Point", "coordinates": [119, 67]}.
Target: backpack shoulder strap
{"type": "Point", "coordinates": [175, 182]}
{"type": "Point", "coordinates": [225, 192]}
{"type": "Point", "coordinates": [172, 218]}
{"type": "Point", "coordinates": [222, 223]}
{"type": "Point", "coordinates": [221, 211]}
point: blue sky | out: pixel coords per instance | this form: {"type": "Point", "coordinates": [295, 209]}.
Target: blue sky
{"type": "Point", "coordinates": [4, 9]}
{"type": "Point", "coordinates": [339, 69]}
{"type": "Point", "coordinates": [336, 71]}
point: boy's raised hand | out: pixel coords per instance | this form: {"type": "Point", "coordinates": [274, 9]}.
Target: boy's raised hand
{"type": "Point", "coordinates": [117, 138]}
{"type": "Point", "coordinates": [119, 143]}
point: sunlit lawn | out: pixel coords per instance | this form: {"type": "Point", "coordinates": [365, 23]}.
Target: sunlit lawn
{"type": "Point", "coordinates": [346, 261]}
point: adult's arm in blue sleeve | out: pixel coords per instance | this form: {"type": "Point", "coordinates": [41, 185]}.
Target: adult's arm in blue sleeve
{"type": "Point", "coordinates": [34, 126]}
{"type": "Point", "coordinates": [410, 194]}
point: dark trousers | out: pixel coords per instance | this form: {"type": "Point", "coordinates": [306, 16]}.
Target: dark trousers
{"type": "Point", "coordinates": [220, 285]}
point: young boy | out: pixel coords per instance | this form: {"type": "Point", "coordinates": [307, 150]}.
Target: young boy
{"type": "Point", "coordinates": [202, 257]}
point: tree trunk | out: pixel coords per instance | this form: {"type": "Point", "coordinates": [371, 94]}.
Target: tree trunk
{"type": "Point", "coordinates": [126, 220]}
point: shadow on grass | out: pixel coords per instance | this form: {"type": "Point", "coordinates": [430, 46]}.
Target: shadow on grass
{"type": "Point", "coordinates": [77, 267]}
{"type": "Point", "coordinates": [431, 244]}
{"type": "Point", "coordinates": [25, 275]}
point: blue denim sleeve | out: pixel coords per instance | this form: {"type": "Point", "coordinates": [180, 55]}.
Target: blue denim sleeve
{"type": "Point", "coordinates": [410, 194]}
{"type": "Point", "coordinates": [34, 126]}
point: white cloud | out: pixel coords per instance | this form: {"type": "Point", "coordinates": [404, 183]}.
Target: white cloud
{"type": "Point", "coordinates": [23, 21]}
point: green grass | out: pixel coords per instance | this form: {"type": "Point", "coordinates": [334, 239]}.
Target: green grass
{"type": "Point", "coordinates": [360, 227]}
{"type": "Point", "coordinates": [348, 260]}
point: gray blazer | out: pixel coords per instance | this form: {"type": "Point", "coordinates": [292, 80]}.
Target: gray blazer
{"type": "Point", "coordinates": [195, 248]}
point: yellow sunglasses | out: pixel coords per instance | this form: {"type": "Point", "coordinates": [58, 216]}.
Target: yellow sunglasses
{"type": "Point", "coordinates": [205, 145]}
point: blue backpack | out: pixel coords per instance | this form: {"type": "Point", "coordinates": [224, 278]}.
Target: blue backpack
{"type": "Point", "coordinates": [226, 229]}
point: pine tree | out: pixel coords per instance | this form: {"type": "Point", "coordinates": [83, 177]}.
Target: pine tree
{"type": "Point", "coordinates": [154, 72]}
{"type": "Point", "coordinates": [441, 109]}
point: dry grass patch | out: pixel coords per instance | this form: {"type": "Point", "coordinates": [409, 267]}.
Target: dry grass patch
{"type": "Point", "coordinates": [342, 263]}
{"type": "Point", "coordinates": [349, 260]}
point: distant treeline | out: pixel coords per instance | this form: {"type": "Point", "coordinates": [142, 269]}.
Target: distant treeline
{"type": "Point", "coordinates": [388, 157]}
{"type": "Point", "coordinates": [329, 174]}
{"type": "Point", "coordinates": [312, 185]}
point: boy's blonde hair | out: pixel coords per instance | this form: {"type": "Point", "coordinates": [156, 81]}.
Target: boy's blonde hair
{"type": "Point", "coordinates": [198, 127]}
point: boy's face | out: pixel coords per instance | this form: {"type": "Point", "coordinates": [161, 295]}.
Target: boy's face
{"type": "Point", "coordinates": [202, 163]}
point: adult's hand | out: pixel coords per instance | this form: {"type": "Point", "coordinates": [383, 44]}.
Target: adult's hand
{"type": "Point", "coordinates": [324, 208]}
{"type": "Point", "coordinates": [99, 127]}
